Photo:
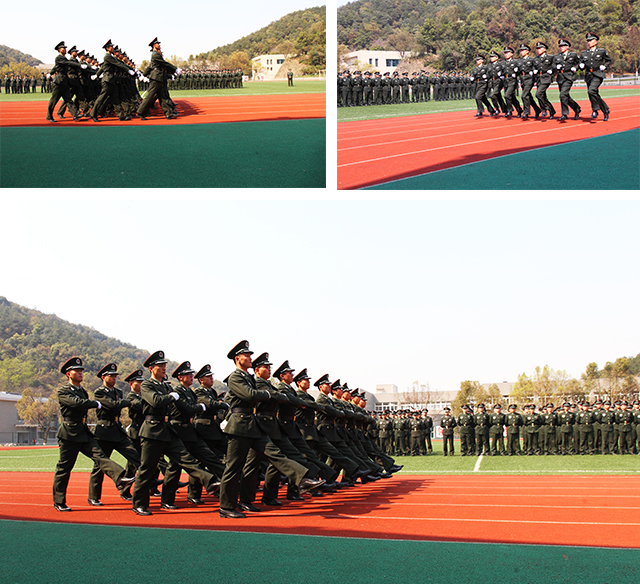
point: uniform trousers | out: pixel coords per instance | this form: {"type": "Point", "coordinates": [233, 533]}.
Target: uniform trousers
{"type": "Point", "coordinates": [125, 448]}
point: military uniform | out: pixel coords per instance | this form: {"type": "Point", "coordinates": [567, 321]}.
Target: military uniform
{"type": "Point", "coordinates": [482, 421]}
{"type": "Point", "coordinates": [467, 437]}
{"type": "Point", "coordinates": [61, 84]}
{"type": "Point", "coordinates": [447, 423]}
{"type": "Point", "coordinates": [566, 66]}
{"type": "Point", "coordinates": [566, 419]}
{"type": "Point", "coordinates": [511, 70]}
{"type": "Point", "coordinates": [545, 70]}
{"type": "Point", "coordinates": [513, 421]}
{"type": "Point", "coordinates": [74, 437]}
{"type": "Point", "coordinates": [594, 62]}
{"type": "Point", "coordinates": [497, 421]}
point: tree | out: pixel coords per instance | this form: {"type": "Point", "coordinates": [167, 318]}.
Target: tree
{"type": "Point", "coordinates": [39, 408]}
{"type": "Point", "coordinates": [470, 392]}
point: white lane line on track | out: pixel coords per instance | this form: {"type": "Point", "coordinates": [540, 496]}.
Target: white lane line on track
{"type": "Point", "coordinates": [476, 468]}
{"type": "Point", "coordinates": [415, 152]}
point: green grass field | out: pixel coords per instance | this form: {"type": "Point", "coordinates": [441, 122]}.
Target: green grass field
{"type": "Point", "coordinates": [44, 460]}
{"type": "Point", "coordinates": [250, 88]}
{"type": "Point", "coordinates": [351, 114]}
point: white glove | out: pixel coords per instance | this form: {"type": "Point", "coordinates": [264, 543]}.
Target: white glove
{"type": "Point", "coordinates": [484, 76]}
{"type": "Point", "coordinates": [581, 65]}
{"type": "Point", "coordinates": [94, 77]}
{"type": "Point", "coordinates": [535, 70]}
{"type": "Point", "coordinates": [178, 70]}
{"type": "Point", "coordinates": [48, 75]}
{"type": "Point", "coordinates": [501, 76]}
{"type": "Point", "coordinates": [515, 69]}
{"type": "Point", "coordinates": [558, 66]}
{"type": "Point", "coordinates": [473, 78]}
{"type": "Point", "coordinates": [513, 75]}
{"type": "Point", "coordinates": [573, 69]}
{"type": "Point", "coordinates": [175, 395]}
{"type": "Point", "coordinates": [98, 406]}
{"type": "Point", "coordinates": [530, 72]}
{"type": "Point", "coordinates": [83, 66]}
{"type": "Point", "coordinates": [203, 407]}
{"type": "Point", "coordinates": [94, 67]}
{"type": "Point", "coordinates": [550, 71]}
{"type": "Point", "coordinates": [145, 79]}
{"type": "Point", "coordinates": [602, 67]}
{"type": "Point", "coordinates": [131, 72]}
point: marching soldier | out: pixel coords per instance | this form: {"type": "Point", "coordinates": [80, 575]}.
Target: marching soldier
{"type": "Point", "coordinates": [594, 62]}
{"type": "Point", "coordinates": [511, 70]}
{"type": "Point", "coordinates": [480, 75]}
{"type": "Point", "coordinates": [159, 70]}
{"type": "Point", "coordinates": [109, 432]}
{"type": "Point", "coordinates": [546, 73]}
{"type": "Point", "coordinates": [566, 64]}
{"type": "Point", "coordinates": [495, 72]}
{"type": "Point", "coordinates": [207, 422]}
{"type": "Point", "coordinates": [74, 436]}
{"type": "Point", "coordinates": [528, 71]}
{"type": "Point", "coordinates": [244, 433]}
{"type": "Point", "coordinates": [61, 87]}
{"type": "Point", "coordinates": [158, 438]}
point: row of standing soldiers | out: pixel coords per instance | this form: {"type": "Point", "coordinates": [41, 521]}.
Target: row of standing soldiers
{"type": "Point", "coordinates": [362, 90]}
{"type": "Point", "coordinates": [403, 433]}
{"type": "Point", "coordinates": [20, 84]}
{"type": "Point", "coordinates": [598, 428]}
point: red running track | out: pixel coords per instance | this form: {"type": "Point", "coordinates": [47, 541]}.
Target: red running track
{"type": "Point", "coordinates": [598, 510]}
{"type": "Point", "coordinates": [197, 110]}
{"type": "Point", "coordinates": [377, 151]}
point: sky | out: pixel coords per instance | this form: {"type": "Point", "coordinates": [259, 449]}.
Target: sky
{"type": "Point", "coordinates": [185, 28]}
{"type": "Point", "coordinates": [371, 292]}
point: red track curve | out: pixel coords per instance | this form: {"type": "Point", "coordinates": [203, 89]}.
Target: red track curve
{"type": "Point", "coordinates": [598, 510]}
{"type": "Point", "coordinates": [377, 151]}
{"type": "Point", "coordinates": [197, 110]}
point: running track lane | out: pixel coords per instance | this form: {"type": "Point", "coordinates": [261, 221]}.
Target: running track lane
{"type": "Point", "coordinates": [378, 151]}
{"type": "Point", "coordinates": [197, 110]}
{"type": "Point", "coordinates": [597, 510]}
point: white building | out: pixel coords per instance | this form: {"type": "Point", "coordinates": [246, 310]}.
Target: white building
{"type": "Point", "coordinates": [383, 61]}
{"type": "Point", "coordinates": [267, 66]}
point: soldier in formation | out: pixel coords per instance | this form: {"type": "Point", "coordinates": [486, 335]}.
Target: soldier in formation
{"type": "Point", "coordinates": [266, 426]}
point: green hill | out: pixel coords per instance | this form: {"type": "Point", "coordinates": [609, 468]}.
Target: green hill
{"type": "Point", "coordinates": [9, 55]}
{"type": "Point", "coordinates": [33, 345]}
{"type": "Point", "coordinates": [455, 30]}
{"type": "Point", "coordinates": [301, 33]}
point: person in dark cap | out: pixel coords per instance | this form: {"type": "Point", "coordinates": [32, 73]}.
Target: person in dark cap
{"type": "Point", "coordinates": [286, 415]}
{"type": "Point", "coordinates": [595, 62]}
{"type": "Point", "coordinates": [548, 431]}
{"type": "Point", "coordinates": [111, 65]}
{"type": "Point", "coordinates": [481, 425]}
{"type": "Point", "coordinates": [75, 85]}
{"type": "Point", "coordinates": [447, 423]}
{"type": "Point", "coordinates": [497, 421]}
{"type": "Point", "coordinates": [495, 72]}
{"type": "Point", "coordinates": [61, 86]}
{"type": "Point", "coordinates": [290, 78]}
{"type": "Point", "coordinates": [466, 424]}
{"type": "Point", "coordinates": [566, 420]}
{"type": "Point", "coordinates": [74, 436]}
{"type": "Point", "coordinates": [528, 71]}
{"type": "Point", "coordinates": [624, 425]}
{"type": "Point", "coordinates": [367, 89]}
{"type": "Point", "coordinates": [326, 422]}
{"type": "Point", "coordinates": [531, 430]}
{"type": "Point", "coordinates": [585, 420]}
{"type": "Point", "coordinates": [207, 423]}
{"type": "Point", "coordinates": [158, 438]}
{"type": "Point", "coordinates": [244, 433]}
{"type": "Point", "coordinates": [427, 421]}
{"type": "Point", "coordinates": [607, 423]}
{"type": "Point", "coordinates": [635, 410]}
{"type": "Point", "coordinates": [513, 422]}
{"type": "Point", "coordinates": [180, 415]}
{"type": "Point", "coordinates": [480, 77]}
{"type": "Point", "coordinates": [566, 64]}
{"type": "Point", "coordinates": [109, 432]}
{"type": "Point", "coordinates": [511, 71]}
{"type": "Point", "coordinates": [159, 71]}
{"type": "Point", "coordinates": [544, 65]}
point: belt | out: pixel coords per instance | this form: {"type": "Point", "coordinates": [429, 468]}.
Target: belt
{"type": "Point", "coordinates": [176, 421]}
{"type": "Point", "coordinates": [241, 411]}
{"type": "Point", "coordinates": [164, 419]}
{"type": "Point", "coordinates": [73, 420]}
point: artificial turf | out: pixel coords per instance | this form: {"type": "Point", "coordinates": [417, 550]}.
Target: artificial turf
{"type": "Point", "coordinates": [616, 166]}
{"type": "Point", "coordinates": [276, 154]}
{"type": "Point", "coordinates": [45, 459]}
{"type": "Point", "coordinates": [60, 553]}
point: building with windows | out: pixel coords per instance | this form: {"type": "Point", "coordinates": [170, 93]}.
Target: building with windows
{"type": "Point", "coordinates": [383, 61]}
{"type": "Point", "coordinates": [13, 430]}
{"type": "Point", "coordinates": [265, 67]}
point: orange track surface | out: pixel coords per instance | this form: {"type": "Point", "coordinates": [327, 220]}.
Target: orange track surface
{"type": "Point", "coordinates": [573, 510]}
{"type": "Point", "coordinates": [197, 110]}
{"type": "Point", "coordinates": [377, 151]}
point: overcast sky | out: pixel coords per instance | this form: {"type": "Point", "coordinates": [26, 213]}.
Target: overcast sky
{"type": "Point", "coordinates": [371, 292]}
{"type": "Point", "coordinates": [184, 28]}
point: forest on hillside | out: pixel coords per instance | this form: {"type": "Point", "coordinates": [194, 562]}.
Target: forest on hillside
{"type": "Point", "coordinates": [300, 34]}
{"type": "Point", "coordinates": [451, 32]}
